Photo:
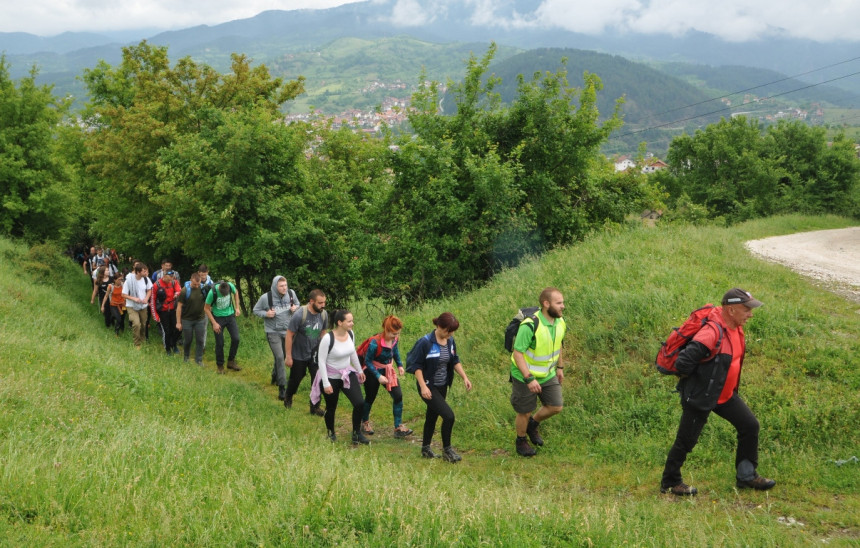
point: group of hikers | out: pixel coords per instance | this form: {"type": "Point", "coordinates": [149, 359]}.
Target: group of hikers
{"type": "Point", "coordinates": [306, 341]}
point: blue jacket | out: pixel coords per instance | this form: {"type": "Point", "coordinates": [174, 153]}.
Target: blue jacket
{"type": "Point", "coordinates": [425, 356]}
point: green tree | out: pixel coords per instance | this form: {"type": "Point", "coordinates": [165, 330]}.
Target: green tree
{"type": "Point", "coordinates": [38, 203]}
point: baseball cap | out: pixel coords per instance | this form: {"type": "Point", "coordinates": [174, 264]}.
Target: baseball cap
{"type": "Point", "coordinates": [739, 296]}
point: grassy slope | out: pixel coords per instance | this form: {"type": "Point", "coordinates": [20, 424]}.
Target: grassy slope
{"type": "Point", "coordinates": [100, 445]}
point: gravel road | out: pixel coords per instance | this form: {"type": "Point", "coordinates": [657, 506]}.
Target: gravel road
{"type": "Point", "coordinates": [829, 256]}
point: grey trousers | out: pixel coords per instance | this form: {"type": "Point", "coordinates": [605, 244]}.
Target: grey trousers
{"type": "Point", "coordinates": [276, 343]}
{"type": "Point", "coordinates": [194, 330]}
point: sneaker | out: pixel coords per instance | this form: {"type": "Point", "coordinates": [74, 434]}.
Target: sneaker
{"type": "Point", "coordinates": [402, 431]}
{"type": "Point", "coordinates": [332, 437]}
{"type": "Point", "coordinates": [681, 490]}
{"type": "Point", "coordinates": [367, 428]}
{"type": "Point", "coordinates": [532, 431]}
{"type": "Point", "coordinates": [449, 455]}
{"type": "Point", "coordinates": [523, 447]}
{"type": "Point", "coordinates": [231, 364]}
{"type": "Point", "coordinates": [175, 350]}
{"type": "Point", "coordinates": [428, 453]}
{"type": "Point", "coordinates": [317, 410]}
{"type": "Point", "coordinates": [358, 437]}
{"type": "Point", "coordinates": [220, 369]}
{"type": "Point", "coordinates": [758, 483]}
{"type": "Point", "coordinates": [288, 401]}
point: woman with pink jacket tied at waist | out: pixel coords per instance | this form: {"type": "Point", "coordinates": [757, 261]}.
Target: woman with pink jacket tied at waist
{"type": "Point", "coordinates": [339, 371]}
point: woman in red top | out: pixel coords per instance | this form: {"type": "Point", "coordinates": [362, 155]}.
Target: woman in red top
{"type": "Point", "coordinates": [710, 368]}
{"type": "Point", "coordinates": [115, 304]}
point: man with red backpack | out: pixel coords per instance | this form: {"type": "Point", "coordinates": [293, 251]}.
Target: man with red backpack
{"type": "Point", "coordinates": [163, 307]}
{"type": "Point", "coordinates": [710, 368]}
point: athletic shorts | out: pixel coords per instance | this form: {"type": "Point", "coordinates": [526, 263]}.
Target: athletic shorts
{"type": "Point", "coordinates": [524, 401]}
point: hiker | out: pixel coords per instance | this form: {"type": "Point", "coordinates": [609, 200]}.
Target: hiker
{"type": "Point", "coordinates": [537, 370]}
{"type": "Point", "coordinates": [96, 259]}
{"type": "Point", "coordinates": [339, 371]}
{"type": "Point", "coordinates": [307, 326]}
{"type": "Point", "coordinates": [86, 262]}
{"type": "Point", "coordinates": [433, 360]}
{"type": "Point", "coordinates": [101, 283]}
{"type": "Point", "coordinates": [166, 266]}
{"type": "Point", "coordinates": [115, 304]}
{"type": "Point", "coordinates": [206, 285]}
{"type": "Point", "coordinates": [163, 310]}
{"type": "Point", "coordinates": [136, 291]}
{"type": "Point", "coordinates": [276, 307]}
{"type": "Point", "coordinates": [222, 309]}
{"type": "Point", "coordinates": [191, 318]}
{"type": "Point", "coordinates": [381, 350]}
{"type": "Point", "coordinates": [711, 384]}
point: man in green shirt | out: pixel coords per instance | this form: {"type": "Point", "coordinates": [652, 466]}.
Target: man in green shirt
{"type": "Point", "coordinates": [222, 308]}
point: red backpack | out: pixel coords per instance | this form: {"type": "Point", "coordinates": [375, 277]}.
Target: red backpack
{"type": "Point", "coordinates": [680, 336]}
{"type": "Point", "coordinates": [362, 348]}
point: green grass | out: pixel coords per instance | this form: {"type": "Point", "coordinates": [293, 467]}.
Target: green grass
{"type": "Point", "coordinates": [104, 446]}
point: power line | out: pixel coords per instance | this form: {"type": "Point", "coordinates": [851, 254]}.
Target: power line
{"type": "Point", "coordinates": [760, 86]}
{"type": "Point", "coordinates": [730, 107]}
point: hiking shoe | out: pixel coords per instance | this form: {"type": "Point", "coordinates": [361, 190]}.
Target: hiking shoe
{"type": "Point", "coordinates": [220, 369]}
{"type": "Point", "coordinates": [282, 393]}
{"type": "Point", "coordinates": [231, 364]}
{"type": "Point", "coordinates": [758, 483]}
{"type": "Point", "coordinates": [288, 401]}
{"type": "Point", "coordinates": [402, 431]}
{"type": "Point", "coordinates": [532, 431]}
{"type": "Point", "coordinates": [523, 447]}
{"type": "Point", "coordinates": [428, 453]}
{"type": "Point", "coordinates": [316, 410]}
{"type": "Point", "coordinates": [681, 490]}
{"type": "Point", "coordinates": [367, 428]}
{"type": "Point", "coordinates": [332, 437]}
{"type": "Point", "coordinates": [358, 437]}
{"type": "Point", "coordinates": [449, 455]}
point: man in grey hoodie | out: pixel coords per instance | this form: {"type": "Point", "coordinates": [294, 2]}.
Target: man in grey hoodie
{"type": "Point", "coordinates": [276, 307]}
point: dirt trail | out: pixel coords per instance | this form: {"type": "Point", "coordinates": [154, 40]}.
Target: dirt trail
{"type": "Point", "coordinates": [830, 256]}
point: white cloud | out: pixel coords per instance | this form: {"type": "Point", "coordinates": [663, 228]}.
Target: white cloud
{"type": "Point", "coordinates": [410, 13]}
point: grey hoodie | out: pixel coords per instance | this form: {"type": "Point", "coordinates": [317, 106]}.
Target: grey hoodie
{"type": "Point", "coordinates": [281, 304]}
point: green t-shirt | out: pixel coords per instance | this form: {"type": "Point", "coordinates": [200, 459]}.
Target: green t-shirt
{"type": "Point", "coordinates": [526, 339]}
{"type": "Point", "coordinates": [222, 305]}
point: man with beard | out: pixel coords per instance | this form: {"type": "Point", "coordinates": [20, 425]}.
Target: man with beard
{"type": "Point", "coordinates": [307, 326]}
{"type": "Point", "coordinates": [536, 369]}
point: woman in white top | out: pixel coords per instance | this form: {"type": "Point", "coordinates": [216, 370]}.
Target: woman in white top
{"type": "Point", "coordinates": [340, 371]}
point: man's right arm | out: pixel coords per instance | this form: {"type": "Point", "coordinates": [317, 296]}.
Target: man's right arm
{"type": "Point", "coordinates": [288, 348]}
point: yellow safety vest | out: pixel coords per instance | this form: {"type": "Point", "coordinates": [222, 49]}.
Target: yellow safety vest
{"type": "Point", "coordinates": [544, 356]}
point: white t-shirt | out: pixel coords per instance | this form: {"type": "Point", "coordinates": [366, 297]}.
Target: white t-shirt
{"type": "Point", "coordinates": [136, 288]}
{"type": "Point", "coordinates": [341, 357]}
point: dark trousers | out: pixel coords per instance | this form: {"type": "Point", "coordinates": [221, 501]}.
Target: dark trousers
{"type": "Point", "coordinates": [167, 328]}
{"type": "Point", "coordinates": [228, 323]}
{"type": "Point", "coordinates": [693, 420]}
{"type": "Point", "coordinates": [355, 398]}
{"type": "Point", "coordinates": [438, 407]}
{"type": "Point", "coordinates": [298, 371]}
{"type": "Point", "coordinates": [118, 318]}
{"type": "Point", "coordinates": [371, 389]}
{"type": "Point", "coordinates": [108, 316]}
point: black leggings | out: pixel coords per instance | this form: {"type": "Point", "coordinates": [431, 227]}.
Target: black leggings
{"type": "Point", "coordinates": [298, 371]}
{"type": "Point", "coordinates": [438, 407]}
{"type": "Point", "coordinates": [354, 395]}
{"type": "Point", "coordinates": [118, 319]}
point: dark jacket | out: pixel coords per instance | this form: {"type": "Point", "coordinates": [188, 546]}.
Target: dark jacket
{"type": "Point", "coordinates": [425, 356]}
{"type": "Point", "coordinates": [703, 381]}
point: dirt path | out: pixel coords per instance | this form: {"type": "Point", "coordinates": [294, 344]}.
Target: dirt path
{"type": "Point", "coordinates": [829, 256]}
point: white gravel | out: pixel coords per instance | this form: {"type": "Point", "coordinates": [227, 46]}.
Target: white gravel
{"type": "Point", "coordinates": [829, 256]}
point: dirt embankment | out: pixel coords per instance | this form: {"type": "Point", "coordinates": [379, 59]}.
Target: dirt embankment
{"type": "Point", "coordinates": [830, 256]}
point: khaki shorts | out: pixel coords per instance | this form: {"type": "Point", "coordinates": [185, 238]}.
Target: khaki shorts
{"type": "Point", "coordinates": [524, 401]}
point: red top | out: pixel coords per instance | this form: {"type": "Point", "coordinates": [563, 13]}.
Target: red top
{"type": "Point", "coordinates": [733, 343]}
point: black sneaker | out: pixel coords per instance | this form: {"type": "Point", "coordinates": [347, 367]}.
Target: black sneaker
{"type": "Point", "coordinates": [358, 437]}
{"type": "Point", "coordinates": [428, 453]}
{"type": "Point", "coordinates": [681, 490]}
{"type": "Point", "coordinates": [523, 447]}
{"type": "Point", "coordinates": [758, 483]}
{"type": "Point", "coordinates": [316, 410]}
{"type": "Point", "coordinates": [532, 431]}
{"type": "Point", "coordinates": [449, 455]}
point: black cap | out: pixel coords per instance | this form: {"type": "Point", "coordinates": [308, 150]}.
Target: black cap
{"type": "Point", "coordinates": [739, 296]}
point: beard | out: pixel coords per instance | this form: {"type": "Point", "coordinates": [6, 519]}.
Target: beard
{"type": "Point", "coordinates": [316, 310]}
{"type": "Point", "coordinates": [553, 312]}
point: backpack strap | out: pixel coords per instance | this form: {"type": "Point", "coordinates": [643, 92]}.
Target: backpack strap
{"type": "Point", "coordinates": [271, 301]}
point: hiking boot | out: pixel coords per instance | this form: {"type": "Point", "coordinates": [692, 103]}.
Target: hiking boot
{"type": "Point", "coordinates": [758, 483]}
{"type": "Point", "coordinates": [523, 447]}
{"type": "Point", "coordinates": [358, 437]}
{"type": "Point", "coordinates": [288, 401]}
{"type": "Point", "coordinates": [282, 392]}
{"type": "Point", "coordinates": [449, 455]}
{"type": "Point", "coordinates": [220, 369]}
{"type": "Point", "coordinates": [532, 431]}
{"type": "Point", "coordinates": [367, 428]}
{"type": "Point", "coordinates": [332, 437]}
{"type": "Point", "coordinates": [428, 453]}
{"type": "Point", "coordinates": [681, 490]}
{"type": "Point", "coordinates": [316, 410]}
{"type": "Point", "coordinates": [402, 431]}
{"type": "Point", "coordinates": [231, 364]}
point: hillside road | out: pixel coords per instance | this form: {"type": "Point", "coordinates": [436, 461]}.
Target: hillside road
{"type": "Point", "coordinates": [830, 256]}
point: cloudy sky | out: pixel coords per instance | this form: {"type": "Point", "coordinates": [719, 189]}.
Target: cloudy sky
{"type": "Point", "coordinates": [735, 20]}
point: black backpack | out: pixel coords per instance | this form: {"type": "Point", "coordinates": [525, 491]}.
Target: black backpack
{"type": "Point", "coordinates": [514, 325]}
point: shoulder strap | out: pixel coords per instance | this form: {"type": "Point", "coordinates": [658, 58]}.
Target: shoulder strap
{"type": "Point", "coordinates": [304, 314]}
{"type": "Point", "coordinates": [271, 303]}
